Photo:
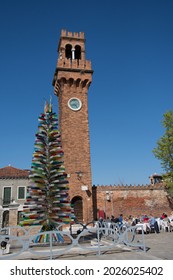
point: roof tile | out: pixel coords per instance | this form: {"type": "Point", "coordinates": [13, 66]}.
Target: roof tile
{"type": "Point", "coordinates": [12, 172]}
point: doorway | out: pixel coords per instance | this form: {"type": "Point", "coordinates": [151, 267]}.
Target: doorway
{"type": "Point", "coordinates": [5, 219]}
{"type": "Point", "coordinates": [77, 204]}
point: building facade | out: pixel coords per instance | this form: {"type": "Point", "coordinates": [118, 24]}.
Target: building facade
{"type": "Point", "coordinates": [72, 78]}
{"type": "Point", "coordinates": [13, 189]}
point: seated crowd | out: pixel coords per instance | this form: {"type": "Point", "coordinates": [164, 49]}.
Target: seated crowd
{"type": "Point", "coordinates": [148, 222]}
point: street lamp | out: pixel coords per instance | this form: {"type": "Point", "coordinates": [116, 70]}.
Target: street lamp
{"type": "Point", "coordinates": [79, 175]}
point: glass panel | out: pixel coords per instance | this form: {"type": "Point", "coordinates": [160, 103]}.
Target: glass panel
{"type": "Point", "coordinates": [21, 192]}
{"type": "Point", "coordinates": [7, 195]}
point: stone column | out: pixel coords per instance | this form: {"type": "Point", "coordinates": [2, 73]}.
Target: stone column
{"type": "Point", "coordinates": [13, 217]}
{"type": "Point", "coordinates": [13, 214]}
{"type": "Point", "coordinates": [1, 216]}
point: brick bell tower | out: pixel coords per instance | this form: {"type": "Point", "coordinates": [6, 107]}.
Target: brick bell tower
{"type": "Point", "coordinates": [72, 78]}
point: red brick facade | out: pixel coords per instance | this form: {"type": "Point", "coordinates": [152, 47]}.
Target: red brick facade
{"type": "Point", "coordinates": [131, 200]}
{"type": "Point", "coordinates": [72, 79]}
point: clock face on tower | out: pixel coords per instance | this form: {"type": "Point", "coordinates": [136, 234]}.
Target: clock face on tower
{"type": "Point", "coordinates": [74, 104]}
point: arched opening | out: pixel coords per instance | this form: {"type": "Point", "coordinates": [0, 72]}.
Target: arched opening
{"type": "Point", "coordinates": [68, 51]}
{"type": "Point", "coordinates": [77, 52]}
{"type": "Point", "coordinates": [5, 219]}
{"type": "Point", "coordinates": [77, 204]}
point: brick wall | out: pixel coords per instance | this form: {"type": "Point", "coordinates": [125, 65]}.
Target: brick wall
{"type": "Point", "coordinates": [131, 200]}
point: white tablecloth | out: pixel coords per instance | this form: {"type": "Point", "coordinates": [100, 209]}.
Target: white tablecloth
{"type": "Point", "coordinates": [145, 226]}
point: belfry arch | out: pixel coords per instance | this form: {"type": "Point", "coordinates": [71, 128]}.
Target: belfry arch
{"type": "Point", "coordinates": [77, 52]}
{"type": "Point", "coordinates": [68, 51]}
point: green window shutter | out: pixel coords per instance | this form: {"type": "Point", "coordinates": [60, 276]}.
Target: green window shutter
{"type": "Point", "coordinates": [7, 195]}
{"type": "Point", "coordinates": [21, 192]}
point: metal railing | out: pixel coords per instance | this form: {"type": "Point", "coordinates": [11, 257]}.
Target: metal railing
{"type": "Point", "coordinates": [62, 241]}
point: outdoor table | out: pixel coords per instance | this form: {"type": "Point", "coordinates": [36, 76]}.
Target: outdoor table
{"type": "Point", "coordinates": [145, 226]}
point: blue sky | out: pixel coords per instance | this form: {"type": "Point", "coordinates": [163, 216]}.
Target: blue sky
{"type": "Point", "coordinates": [130, 44]}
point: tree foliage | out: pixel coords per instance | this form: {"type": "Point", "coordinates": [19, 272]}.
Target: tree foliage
{"type": "Point", "coordinates": [164, 150]}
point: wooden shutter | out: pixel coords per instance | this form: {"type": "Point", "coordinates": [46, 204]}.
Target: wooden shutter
{"type": "Point", "coordinates": [21, 192]}
{"type": "Point", "coordinates": [7, 195]}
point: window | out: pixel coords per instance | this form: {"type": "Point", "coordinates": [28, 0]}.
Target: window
{"type": "Point", "coordinates": [7, 195]}
{"type": "Point", "coordinates": [68, 51]}
{"type": "Point", "coordinates": [77, 52]}
{"type": "Point", "coordinates": [21, 193]}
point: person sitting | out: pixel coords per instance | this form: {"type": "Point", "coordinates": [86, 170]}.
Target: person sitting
{"type": "Point", "coordinates": [171, 221]}
{"type": "Point", "coordinates": [166, 223]}
{"type": "Point", "coordinates": [130, 220]}
{"type": "Point", "coordinates": [108, 220]}
{"type": "Point", "coordinates": [163, 216]}
{"type": "Point", "coordinates": [171, 215]}
{"type": "Point", "coordinates": [145, 219]}
{"type": "Point", "coordinates": [120, 220]}
{"type": "Point", "coordinates": [114, 220]}
{"type": "Point", "coordinates": [153, 224]}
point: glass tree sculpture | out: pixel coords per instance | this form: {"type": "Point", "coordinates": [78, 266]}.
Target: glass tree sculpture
{"type": "Point", "coordinates": [47, 202]}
